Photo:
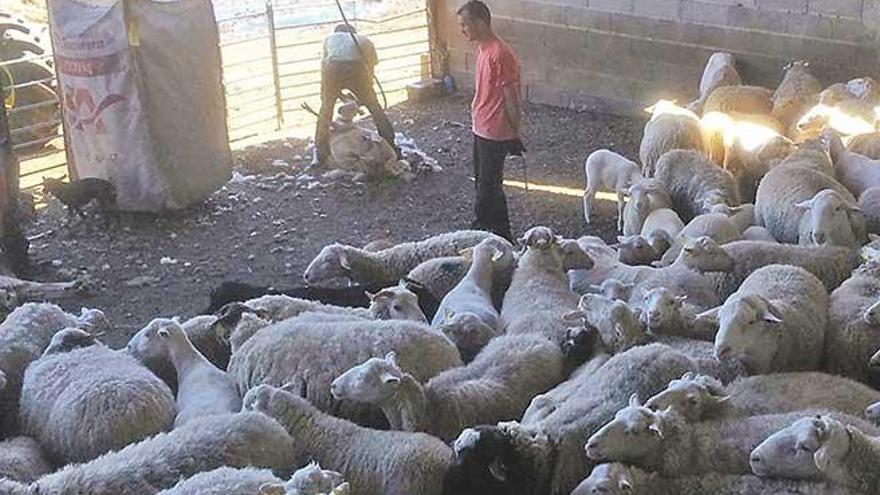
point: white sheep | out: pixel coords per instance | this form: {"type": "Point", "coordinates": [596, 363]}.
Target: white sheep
{"type": "Point", "coordinates": [695, 183]}
{"type": "Point", "coordinates": [539, 294]}
{"type": "Point", "coordinates": [609, 171]}
{"type": "Point", "coordinates": [619, 479]}
{"type": "Point", "coordinates": [717, 226]}
{"type": "Point", "coordinates": [832, 218]}
{"type": "Point", "coordinates": [826, 448]}
{"type": "Point", "coordinates": [740, 99]}
{"type": "Point", "coordinates": [318, 348]}
{"type": "Point", "coordinates": [22, 459]}
{"type": "Point", "coordinates": [797, 92]}
{"type": "Point", "coordinates": [440, 275]}
{"type": "Point", "coordinates": [24, 335]}
{"type": "Point", "coordinates": [662, 219]}
{"type": "Point", "coordinates": [618, 325]}
{"type": "Point", "coordinates": [670, 128]}
{"type": "Point", "coordinates": [473, 296]}
{"type": "Point", "coordinates": [389, 265]}
{"type": "Point", "coordinates": [857, 172]}
{"type": "Point", "coordinates": [81, 399]}
{"type": "Point", "coordinates": [776, 321]}
{"type": "Point", "coordinates": [854, 325]}
{"type": "Point", "coordinates": [373, 461]}
{"type": "Point", "coordinates": [361, 150]}
{"type": "Point", "coordinates": [613, 289]}
{"type": "Point", "coordinates": [234, 440]}
{"type": "Point", "coordinates": [310, 480]}
{"type": "Point", "coordinates": [645, 196]}
{"type": "Point", "coordinates": [865, 144]}
{"type": "Point", "coordinates": [869, 205]}
{"type": "Point", "coordinates": [544, 454]}
{"type": "Point", "coordinates": [636, 250]}
{"type": "Point", "coordinates": [700, 398]}
{"type": "Point", "coordinates": [497, 386]}
{"type": "Point", "coordinates": [720, 71]}
{"type": "Point", "coordinates": [662, 441]}
{"type": "Point", "coordinates": [756, 233]}
{"type": "Point", "coordinates": [202, 388]}
{"type": "Point", "coordinates": [665, 313]}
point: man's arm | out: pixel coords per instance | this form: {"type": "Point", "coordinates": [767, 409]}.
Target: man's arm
{"type": "Point", "coordinates": [369, 52]}
{"type": "Point", "coordinates": [512, 107]}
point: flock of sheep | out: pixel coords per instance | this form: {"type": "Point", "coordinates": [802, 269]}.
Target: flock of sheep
{"type": "Point", "coordinates": [725, 345]}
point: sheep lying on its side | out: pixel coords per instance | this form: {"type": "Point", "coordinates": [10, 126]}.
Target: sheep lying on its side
{"type": "Point", "coordinates": [720, 71]}
{"type": "Point", "coordinates": [823, 448]}
{"type": "Point", "coordinates": [545, 453]}
{"type": "Point", "coordinates": [662, 441]}
{"type": "Point", "coordinates": [24, 335]}
{"type": "Point", "coordinates": [361, 150]}
{"type": "Point", "coordinates": [539, 294]}
{"type": "Point", "coordinates": [854, 325]}
{"type": "Point", "coordinates": [666, 132]}
{"type": "Point", "coordinates": [619, 479]}
{"type": "Point", "coordinates": [388, 266]}
{"type": "Point", "coordinates": [797, 92]}
{"type": "Point", "coordinates": [82, 399]}
{"type": "Point", "coordinates": [318, 348]}
{"type": "Point", "coordinates": [310, 480]}
{"type": "Point", "coordinates": [497, 386]}
{"type": "Point", "coordinates": [22, 459]}
{"type": "Point", "coordinates": [234, 440]}
{"type": "Point", "coordinates": [202, 388]}
{"type": "Point", "coordinates": [695, 183]}
{"type": "Point", "coordinates": [700, 398]}
{"type": "Point", "coordinates": [608, 171]}
{"type": "Point", "coordinates": [373, 461]}
{"type": "Point", "coordinates": [776, 321]}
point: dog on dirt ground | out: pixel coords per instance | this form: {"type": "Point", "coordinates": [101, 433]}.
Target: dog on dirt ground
{"type": "Point", "coordinates": [79, 193]}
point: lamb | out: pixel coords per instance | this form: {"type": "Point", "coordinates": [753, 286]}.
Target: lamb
{"type": "Point", "coordinates": [775, 322]}
{"type": "Point", "coordinates": [387, 266]}
{"type": "Point", "coordinates": [645, 196]}
{"type": "Point", "coordinates": [825, 448]}
{"type": "Point", "coordinates": [24, 334]}
{"type": "Point", "coordinates": [497, 386]}
{"type": "Point", "coordinates": [854, 325]}
{"type": "Point", "coordinates": [695, 183]}
{"type": "Point", "coordinates": [720, 71]}
{"type": "Point", "coordinates": [717, 226]}
{"type": "Point", "coordinates": [799, 205]}
{"type": "Point", "coordinates": [701, 398]}
{"type": "Point", "coordinates": [608, 171]}
{"type": "Point", "coordinates": [387, 462]}
{"type": "Point", "coordinates": [22, 459]}
{"type": "Point", "coordinates": [202, 388]}
{"type": "Point", "coordinates": [619, 479]}
{"type": "Point", "coordinates": [539, 294]}
{"type": "Point", "coordinates": [310, 480]}
{"type": "Point", "coordinates": [235, 440]}
{"type": "Point", "coordinates": [309, 348]}
{"type": "Point", "coordinates": [832, 264]}
{"type": "Point", "coordinates": [544, 454]}
{"type": "Point", "coordinates": [796, 93]}
{"type": "Point", "coordinates": [669, 129]}
{"type": "Point", "coordinates": [866, 145]}
{"type": "Point", "coordinates": [81, 399]}
{"type": "Point", "coordinates": [473, 296]}
{"type": "Point", "coordinates": [662, 441]}
{"type": "Point", "coordinates": [737, 98]}
{"type": "Point", "coordinates": [636, 250]}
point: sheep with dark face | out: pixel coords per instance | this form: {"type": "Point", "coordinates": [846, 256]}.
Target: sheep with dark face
{"type": "Point", "coordinates": [822, 447]}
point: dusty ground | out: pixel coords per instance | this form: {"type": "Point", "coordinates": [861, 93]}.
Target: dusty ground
{"type": "Point", "coordinates": [266, 229]}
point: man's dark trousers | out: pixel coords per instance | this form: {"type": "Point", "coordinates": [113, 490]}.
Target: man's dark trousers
{"type": "Point", "coordinates": [353, 76]}
{"type": "Point", "coordinates": [491, 205]}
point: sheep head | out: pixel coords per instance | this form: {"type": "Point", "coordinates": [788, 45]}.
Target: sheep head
{"type": "Point", "coordinates": [613, 479]}
{"type": "Point", "coordinates": [396, 303]}
{"type": "Point", "coordinates": [705, 255]}
{"type": "Point", "coordinates": [829, 218]}
{"type": "Point", "coordinates": [635, 250]}
{"type": "Point", "coordinates": [310, 480]}
{"type": "Point", "coordinates": [150, 344]}
{"type": "Point", "coordinates": [749, 329]}
{"type": "Point", "coordinates": [374, 381]}
{"type": "Point", "coordinates": [808, 449]}
{"type": "Point", "coordinates": [467, 331]}
{"type": "Point", "coordinates": [69, 339]}
{"type": "Point", "coordinates": [331, 263]}
{"type": "Point", "coordinates": [661, 307]}
{"type": "Point", "coordinates": [634, 434]}
{"type": "Point", "coordinates": [692, 397]}
{"type": "Point", "coordinates": [613, 289]}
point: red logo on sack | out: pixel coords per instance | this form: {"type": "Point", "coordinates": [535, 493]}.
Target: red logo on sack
{"type": "Point", "coordinates": [77, 99]}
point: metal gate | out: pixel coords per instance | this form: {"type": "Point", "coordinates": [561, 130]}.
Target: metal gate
{"type": "Point", "coordinates": [272, 58]}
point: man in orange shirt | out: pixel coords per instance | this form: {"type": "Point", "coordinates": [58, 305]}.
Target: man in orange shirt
{"type": "Point", "coordinates": [496, 115]}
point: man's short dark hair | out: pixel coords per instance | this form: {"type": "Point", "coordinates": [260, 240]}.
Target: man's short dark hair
{"type": "Point", "coordinates": [344, 28]}
{"type": "Point", "coordinates": [475, 9]}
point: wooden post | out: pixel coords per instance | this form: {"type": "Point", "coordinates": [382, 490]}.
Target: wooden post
{"type": "Point", "coordinates": [276, 74]}
{"type": "Point", "coordinates": [12, 240]}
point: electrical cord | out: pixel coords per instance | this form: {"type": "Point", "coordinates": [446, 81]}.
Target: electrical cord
{"type": "Point", "coordinates": [361, 52]}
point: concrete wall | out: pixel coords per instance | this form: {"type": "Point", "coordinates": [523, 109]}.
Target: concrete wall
{"type": "Point", "coordinates": [617, 55]}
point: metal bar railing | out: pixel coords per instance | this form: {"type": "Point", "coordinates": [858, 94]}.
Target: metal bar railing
{"type": "Point", "coordinates": [276, 78]}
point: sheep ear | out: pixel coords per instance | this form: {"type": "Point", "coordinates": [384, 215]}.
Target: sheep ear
{"type": "Point", "coordinates": [772, 315]}
{"type": "Point", "coordinates": [344, 261]}
{"type": "Point", "coordinates": [573, 317]}
{"type": "Point", "coordinates": [681, 299]}
{"type": "Point", "coordinates": [634, 401]}
{"type": "Point", "coordinates": [710, 315]}
{"type": "Point", "coordinates": [618, 329]}
{"type": "Point", "coordinates": [688, 375]}
{"type": "Point", "coordinates": [272, 489]}
{"type": "Point", "coordinates": [497, 256]}
{"type": "Point", "coordinates": [391, 357]}
{"type": "Point", "coordinates": [655, 428]}
{"type": "Point", "coordinates": [467, 254]}
{"type": "Point", "coordinates": [805, 205]}
{"type": "Point", "coordinates": [625, 485]}
{"type": "Point", "coordinates": [370, 295]}
{"type": "Point", "coordinates": [498, 470]}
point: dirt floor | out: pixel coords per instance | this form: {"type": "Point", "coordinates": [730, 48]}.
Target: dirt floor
{"type": "Point", "coordinates": [268, 223]}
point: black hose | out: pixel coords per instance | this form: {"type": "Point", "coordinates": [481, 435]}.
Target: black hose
{"type": "Point", "coordinates": [361, 52]}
